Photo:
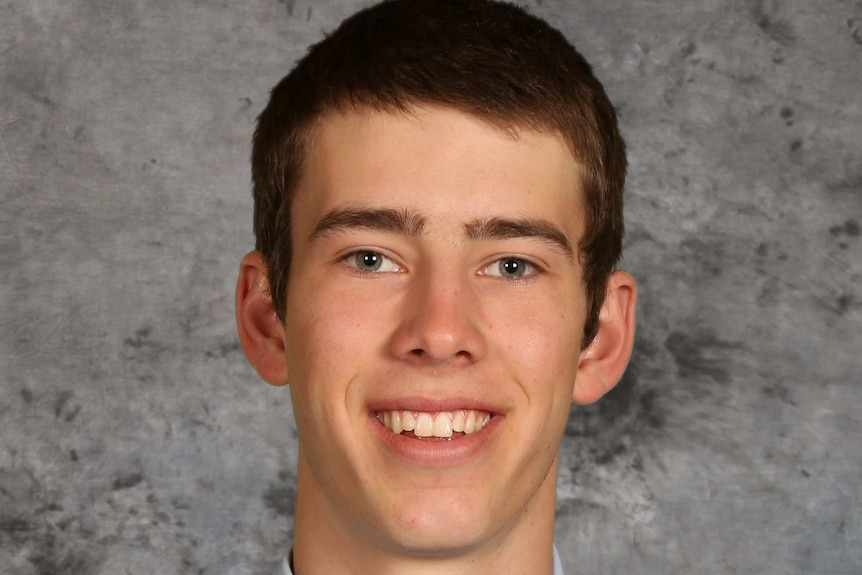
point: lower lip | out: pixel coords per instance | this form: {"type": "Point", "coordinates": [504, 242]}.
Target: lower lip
{"type": "Point", "coordinates": [436, 452]}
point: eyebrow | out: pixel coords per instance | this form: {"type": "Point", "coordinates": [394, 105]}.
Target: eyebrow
{"type": "Point", "coordinates": [504, 228]}
{"type": "Point", "coordinates": [410, 223]}
{"type": "Point", "coordinates": [404, 222]}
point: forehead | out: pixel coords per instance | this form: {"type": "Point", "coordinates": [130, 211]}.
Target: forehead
{"type": "Point", "coordinates": [435, 160]}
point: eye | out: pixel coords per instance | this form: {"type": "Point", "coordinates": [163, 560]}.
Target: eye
{"type": "Point", "coordinates": [510, 268]}
{"type": "Point", "coordinates": [370, 261]}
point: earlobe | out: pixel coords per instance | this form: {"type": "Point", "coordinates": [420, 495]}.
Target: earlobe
{"type": "Point", "coordinates": [261, 333]}
{"type": "Point", "coordinates": [604, 361]}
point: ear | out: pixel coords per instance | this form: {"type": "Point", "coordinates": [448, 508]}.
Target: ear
{"type": "Point", "coordinates": [261, 333]}
{"type": "Point", "coordinates": [603, 362]}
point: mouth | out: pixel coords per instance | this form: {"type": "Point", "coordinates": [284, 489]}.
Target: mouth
{"type": "Point", "coordinates": [439, 425]}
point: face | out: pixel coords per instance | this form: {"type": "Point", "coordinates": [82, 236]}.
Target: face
{"type": "Point", "coordinates": [433, 286]}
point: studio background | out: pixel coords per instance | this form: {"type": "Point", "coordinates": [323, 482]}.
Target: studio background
{"type": "Point", "coordinates": [135, 439]}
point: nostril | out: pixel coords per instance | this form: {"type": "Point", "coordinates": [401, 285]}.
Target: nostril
{"type": "Point", "coordinates": [420, 353]}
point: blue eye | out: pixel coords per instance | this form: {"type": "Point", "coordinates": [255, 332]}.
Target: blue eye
{"type": "Point", "coordinates": [510, 268]}
{"type": "Point", "coordinates": [370, 261]}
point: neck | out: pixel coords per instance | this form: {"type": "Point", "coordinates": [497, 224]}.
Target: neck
{"type": "Point", "coordinates": [327, 540]}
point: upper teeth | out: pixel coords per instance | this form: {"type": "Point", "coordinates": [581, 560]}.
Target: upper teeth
{"type": "Point", "coordinates": [439, 424]}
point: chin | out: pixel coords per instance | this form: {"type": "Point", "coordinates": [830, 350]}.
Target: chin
{"type": "Point", "coordinates": [438, 543]}
{"type": "Point", "coordinates": [439, 530]}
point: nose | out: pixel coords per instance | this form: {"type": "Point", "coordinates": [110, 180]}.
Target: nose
{"type": "Point", "coordinates": [440, 322]}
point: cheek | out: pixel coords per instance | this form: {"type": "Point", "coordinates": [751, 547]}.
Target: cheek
{"type": "Point", "coordinates": [541, 341]}
{"type": "Point", "coordinates": [322, 364]}
{"type": "Point", "coordinates": [331, 335]}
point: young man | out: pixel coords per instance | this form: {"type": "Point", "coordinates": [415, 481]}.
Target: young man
{"type": "Point", "coordinates": [438, 214]}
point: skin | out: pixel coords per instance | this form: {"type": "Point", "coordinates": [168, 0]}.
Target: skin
{"type": "Point", "coordinates": [445, 206]}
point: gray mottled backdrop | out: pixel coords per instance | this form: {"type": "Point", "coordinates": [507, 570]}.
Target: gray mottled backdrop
{"type": "Point", "coordinates": [135, 439]}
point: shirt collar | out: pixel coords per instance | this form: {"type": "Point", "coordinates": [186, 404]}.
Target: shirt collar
{"type": "Point", "coordinates": [285, 565]}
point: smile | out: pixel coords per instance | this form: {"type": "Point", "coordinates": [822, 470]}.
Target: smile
{"type": "Point", "coordinates": [441, 424]}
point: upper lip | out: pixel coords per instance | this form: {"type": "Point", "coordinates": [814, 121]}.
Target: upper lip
{"type": "Point", "coordinates": [434, 404]}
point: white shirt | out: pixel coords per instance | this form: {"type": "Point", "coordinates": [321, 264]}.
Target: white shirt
{"type": "Point", "coordinates": [284, 568]}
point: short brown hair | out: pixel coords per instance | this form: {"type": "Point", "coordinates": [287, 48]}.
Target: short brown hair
{"type": "Point", "coordinates": [489, 59]}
